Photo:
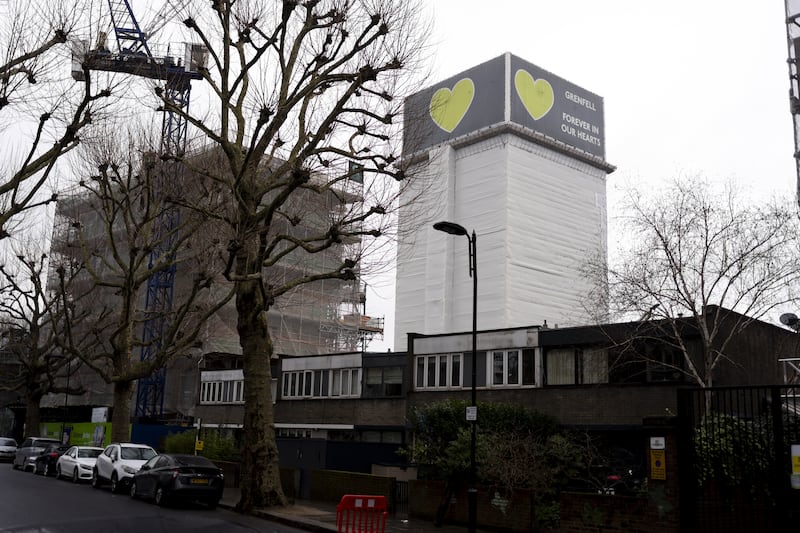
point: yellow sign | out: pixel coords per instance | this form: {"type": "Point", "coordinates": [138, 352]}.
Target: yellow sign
{"type": "Point", "coordinates": [795, 464]}
{"type": "Point", "coordinates": [198, 445]}
{"type": "Point", "coordinates": [658, 465]}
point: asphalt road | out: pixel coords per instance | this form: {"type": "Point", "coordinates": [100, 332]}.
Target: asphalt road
{"type": "Point", "coordinates": [35, 504]}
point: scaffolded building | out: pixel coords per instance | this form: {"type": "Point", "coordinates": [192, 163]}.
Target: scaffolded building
{"type": "Point", "coordinates": [321, 317]}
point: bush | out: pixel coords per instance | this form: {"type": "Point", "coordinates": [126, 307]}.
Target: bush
{"type": "Point", "coordinates": [215, 446]}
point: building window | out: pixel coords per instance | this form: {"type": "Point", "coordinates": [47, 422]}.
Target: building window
{"type": "Point", "coordinates": [570, 366]}
{"type": "Point", "coordinates": [512, 368]}
{"type": "Point", "coordinates": [227, 391]}
{"type": "Point", "coordinates": [438, 371]}
{"type": "Point", "coordinates": [506, 368]}
{"type": "Point", "coordinates": [594, 365]}
{"type": "Point", "coordinates": [343, 382]}
{"type": "Point", "coordinates": [383, 381]}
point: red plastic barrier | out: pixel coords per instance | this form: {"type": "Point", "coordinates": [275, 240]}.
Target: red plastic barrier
{"type": "Point", "coordinates": [357, 513]}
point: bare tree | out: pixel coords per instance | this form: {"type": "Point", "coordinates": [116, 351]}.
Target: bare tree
{"type": "Point", "coordinates": [115, 224]}
{"type": "Point", "coordinates": [28, 314]}
{"type": "Point", "coordinates": [42, 110]}
{"type": "Point", "coordinates": [690, 255]}
{"type": "Point", "coordinates": [306, 100]}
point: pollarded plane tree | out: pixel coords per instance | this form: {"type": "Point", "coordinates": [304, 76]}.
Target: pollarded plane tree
{"type": "Point", "coordinates": [30, 314]}
{"type": "Point", "coordinates": [42, 111]}
{"type": "Point", "coordinates": [305, 100]}
{"type": "Point", "coordinates": [110, 218]}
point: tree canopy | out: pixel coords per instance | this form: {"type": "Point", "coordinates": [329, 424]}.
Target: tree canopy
{"type": "Point", "coordinates": [691, 248]}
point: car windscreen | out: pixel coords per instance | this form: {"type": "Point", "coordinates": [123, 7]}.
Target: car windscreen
{"type": "Point", "coordinates": [139, 454]}
{"type": "Point", "coordinates": [7, 442]}
{"type": "Point", "coordinates": [89, 454]}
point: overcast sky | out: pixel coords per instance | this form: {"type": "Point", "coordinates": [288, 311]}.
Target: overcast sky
{"type": "Point", "coordinates": [690, 87]}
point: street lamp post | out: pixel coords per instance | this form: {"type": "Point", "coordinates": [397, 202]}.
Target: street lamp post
{"type": "Point", "coordinates": [472, 411]}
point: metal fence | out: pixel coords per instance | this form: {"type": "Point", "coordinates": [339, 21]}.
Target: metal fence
{"type": "Point", "coordinates": [399, 504]}
{"type": "Point", "coordinates": [735, 462]}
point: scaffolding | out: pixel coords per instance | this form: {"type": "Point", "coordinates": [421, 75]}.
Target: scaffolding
{"type": "Point", "coordinates": [327, 316]}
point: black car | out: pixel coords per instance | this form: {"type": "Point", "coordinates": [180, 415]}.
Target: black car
{"type": "Point", "coordinates": [45, 462]}
{"type": "Point", "coordinates": [168, 477]}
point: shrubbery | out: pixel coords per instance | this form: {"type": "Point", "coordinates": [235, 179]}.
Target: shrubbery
{"type": "Point", "coordinates": [215, 446]}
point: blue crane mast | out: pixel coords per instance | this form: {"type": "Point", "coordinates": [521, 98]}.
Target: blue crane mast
{"type": "Point", "coordinates": [134, 56]}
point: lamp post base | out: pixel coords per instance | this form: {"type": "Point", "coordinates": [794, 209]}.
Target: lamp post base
{"type": "Point", "coordinates": [472, 502]}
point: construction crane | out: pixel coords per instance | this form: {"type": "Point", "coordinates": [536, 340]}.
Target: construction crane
{"type": "Point", "coordinates": [134, 56]}
{"type": "Point", "coordinates": [793, 41]}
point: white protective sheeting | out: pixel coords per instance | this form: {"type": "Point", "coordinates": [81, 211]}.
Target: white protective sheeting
{"type": "Point", "coordinates": [537, 214]}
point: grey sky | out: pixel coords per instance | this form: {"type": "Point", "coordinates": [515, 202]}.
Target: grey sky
{"type": "Point", "coordinates": [689, 87]}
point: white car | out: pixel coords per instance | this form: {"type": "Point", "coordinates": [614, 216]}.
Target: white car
{"type": "Point", "coordinates": [8, 449]}
{"type": "Point", "coordinates": [77, 463]}
{"type": "Point", "coordinates": [118, 462]}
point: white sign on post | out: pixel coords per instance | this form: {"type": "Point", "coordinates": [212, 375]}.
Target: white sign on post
{"type": "Point", "coordinates": [472, 413]}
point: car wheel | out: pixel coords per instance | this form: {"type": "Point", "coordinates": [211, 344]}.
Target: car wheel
{"type": "Point", "coordinates": [75, 477]}
{"type": "Point", "coordinates": [48, 470]}
{"type": "Point", "coordinates": [36, 470]}
{"type": "Point", "coordinates": [95, 479]}
{"type": "Point", "coordinates": [114, 483]}
{"type": "Point", "coordinates": [58, 471]}
{"type": "Point", "coordinates": [160, 499]}
{"type": "Point", "coordinates": [133, 490]}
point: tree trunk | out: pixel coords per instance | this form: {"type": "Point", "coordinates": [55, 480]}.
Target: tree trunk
{"type": "Point", "coordinates": [121, 415]}
{"type": "Point", "coordinates": [32, 418]}
{"type": "Point", "coordinates": [260, 482]}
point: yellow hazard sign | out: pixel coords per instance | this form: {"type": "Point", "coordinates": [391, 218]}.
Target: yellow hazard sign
{"type": "Point", "coordinates": [658, 465]}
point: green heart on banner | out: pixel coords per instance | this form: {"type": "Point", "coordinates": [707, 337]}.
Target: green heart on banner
{"type": "Point", "coordinates": [448, 107]}
{"type": "Point", "coordinates": [537, 96]}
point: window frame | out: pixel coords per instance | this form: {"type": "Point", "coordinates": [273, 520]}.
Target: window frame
{"type": "Point", "coordinates": [428, 368]}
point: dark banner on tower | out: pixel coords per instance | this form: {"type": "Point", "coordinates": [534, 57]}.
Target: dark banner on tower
{"type": "Point", "coordinates": [506, 89]}
{"type": "Point", "coordinates": [454, 107]}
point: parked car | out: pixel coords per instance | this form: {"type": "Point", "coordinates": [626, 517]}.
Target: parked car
{"type": "Point", "coordinates": [45, 462]}
{"type": "Point", "coordinates": [77, 463]}
{"type": "Point", "coordinates": [8, 448]}
{"type": "Point", "coordinates": [118, 462]}
{"type": "Point", "coordinates": [170, 477]}
{"type": "Point", "coordinates": [29, 449]}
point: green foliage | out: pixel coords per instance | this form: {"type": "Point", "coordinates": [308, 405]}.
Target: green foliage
{"type": "Point", "coordinates": [516, 448]}
{"type": "Point", "coordinates": [182, 442]}
{"type": "Point", "coordinates": [732, 451]}
{"type": "Point", "coordinates": [442, 434]}
{"type": "Point", "coordinates": [215, 446]}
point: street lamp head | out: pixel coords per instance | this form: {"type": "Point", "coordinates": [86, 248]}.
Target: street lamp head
{"type": "Point", "coordinates": [450, 227]}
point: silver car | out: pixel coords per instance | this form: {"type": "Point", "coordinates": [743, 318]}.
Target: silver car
{"type": "Point", "coordinates": [8, 449]}
{"type": "Point", "coordinates": [29, 449]}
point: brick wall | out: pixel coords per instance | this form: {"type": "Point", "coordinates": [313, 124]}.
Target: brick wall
{"type": "Point", "coordinates": [656, 511]}
{"type": "Point", "coordinates": [367, 411]}
{"type": "Point", "coordinates": [595, 513]}
{"type": "Point", "coordinates": [331, 485]}
{"type": "Point", "coordinates": [570, 405]}
{"type": "Point", "coordinates": [508, 512]}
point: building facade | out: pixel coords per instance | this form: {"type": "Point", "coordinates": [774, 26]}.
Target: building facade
{"type": "Point", "coordinates": [516, 154]}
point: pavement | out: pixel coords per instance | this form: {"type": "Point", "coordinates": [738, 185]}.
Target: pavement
{"type": "Point", "coordinates": [321, 516]}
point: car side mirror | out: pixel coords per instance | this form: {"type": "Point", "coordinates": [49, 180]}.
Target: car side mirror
{"type": "Point", "coordinates": [144, 467]}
